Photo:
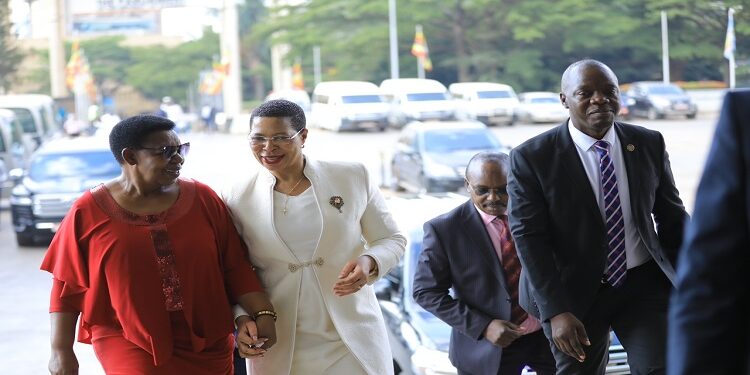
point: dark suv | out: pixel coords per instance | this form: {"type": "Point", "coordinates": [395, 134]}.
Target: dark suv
{"type": "Point", "coordinates": [656, 100]}
{"type": "Point", "coordinates": [58, 173]}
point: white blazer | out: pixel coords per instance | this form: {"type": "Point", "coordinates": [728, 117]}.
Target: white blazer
{"type": "Point", "coordinates": [362, 226]}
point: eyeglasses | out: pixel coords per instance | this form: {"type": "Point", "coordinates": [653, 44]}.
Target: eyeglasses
{"type": "Point", "coordinates": [167, 152]}
{"type": "Point", "coordinates": [481, 190]}
{"type": "Point", "coordinates": [257, 140]}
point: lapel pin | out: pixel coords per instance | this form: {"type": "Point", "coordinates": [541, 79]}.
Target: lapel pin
{"type": "Point", "coordinates": [630, 147]}
{"type": "Point", "coordinates": [336, 202]}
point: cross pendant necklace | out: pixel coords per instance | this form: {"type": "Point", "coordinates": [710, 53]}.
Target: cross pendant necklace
{"type": "Point", "coordinates": [286, 200]}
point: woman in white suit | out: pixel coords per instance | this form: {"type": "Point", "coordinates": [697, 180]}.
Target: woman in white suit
{"type": "Point", "coordinates": [319, 235]}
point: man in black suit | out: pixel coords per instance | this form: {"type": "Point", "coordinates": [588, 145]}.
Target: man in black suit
{"type": "Point", "coordinates": [582, 196]}
{"type": "Point", "coordinates": [709, 325]}
{"type": "Point", "coordinates": [470, 250]}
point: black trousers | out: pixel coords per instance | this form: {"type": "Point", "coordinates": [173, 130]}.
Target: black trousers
{"type": "Point", "coordinates": [636, 312]}
{"type": "Point", "coordinates": [530, 350]}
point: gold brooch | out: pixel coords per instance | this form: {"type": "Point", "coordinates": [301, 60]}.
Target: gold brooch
{"type": "Point", "coordinates": [337, 202]}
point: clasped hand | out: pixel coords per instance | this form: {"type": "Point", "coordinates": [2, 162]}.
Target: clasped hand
{"type": "Point", "coordinates": [255, 337]}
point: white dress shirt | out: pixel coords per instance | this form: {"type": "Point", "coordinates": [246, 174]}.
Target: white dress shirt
{"type": "Point", "coordinates": [635, 251]}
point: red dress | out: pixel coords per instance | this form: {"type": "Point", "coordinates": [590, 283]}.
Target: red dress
{"type": "Point", "coordinates": [154, 291]}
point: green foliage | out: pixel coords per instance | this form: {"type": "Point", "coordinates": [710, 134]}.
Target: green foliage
{"type": "Point", "coordinates": [158, 71]}
{"type": "Point", "coordinates": [527, 43]}
{"type": "Point", "coordinates": [11, 55]}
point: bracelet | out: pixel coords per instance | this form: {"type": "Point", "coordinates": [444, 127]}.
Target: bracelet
{"type": "Point", "coordinates": [265, 312]}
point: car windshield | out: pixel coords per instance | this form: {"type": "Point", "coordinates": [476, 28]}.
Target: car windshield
{"type": "Point", "coordinates": [356, 99]}
{"type": "Point", "coordinates": [664, 90]}
{"type": "Point", "coordinates": [452, 140]}
{"type": "Point", "coordinates": [494, 94]}
{"type": "Point", "coordinates": [74, 164]}
{"type": "Point", "coordinates": [547, 100]}
{"type": "Point", "coordinates": [426, 96]}
{"type": "Point", "coordinates": [26, 119]}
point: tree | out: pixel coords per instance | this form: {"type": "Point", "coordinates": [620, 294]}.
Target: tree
{"type": "Point", "coordinates": [11, 55]}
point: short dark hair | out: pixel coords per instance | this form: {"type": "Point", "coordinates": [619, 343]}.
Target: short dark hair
{"type": "Point", "coordinates": [281, 108]}
{"type": "Point", "coordinates": [131, 132]}
{"type": "Point", "coordinates": [500, 158]}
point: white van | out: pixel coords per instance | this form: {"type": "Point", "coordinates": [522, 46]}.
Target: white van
{"type": "Point", "coordinates": [417, 99]}
{"type": "Point", "coordinates": [37, 114]}
{"type": "Point", "coordinates": [348, 105]}
{"type": "Point", "coordinates": [15, 149]}
{"type": "Point", "coordinates": [490, 103]}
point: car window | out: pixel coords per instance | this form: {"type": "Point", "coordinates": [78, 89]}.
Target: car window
{"type": "Point", "coordinates": [26, 119]}
{"type": "Point", "coordinates": [494, 94]}
{"type": "Point", "coordinates": [356, 99]}
{"type": "Point", "coordinates": [451, 140]}
{"type": "Point", "coordinates": [74, 164]}
{"type": "Point", "coordinates": [544, 100]}
{"type": "Point", "coordinates": [425, 96]}
{"type": "Point", "coordinates": [664, 90]}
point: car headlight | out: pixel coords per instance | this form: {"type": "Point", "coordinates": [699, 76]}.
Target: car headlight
{"type": "Point", "coordinates": [20, 196]}
{"type": "Point", "coordinates": [426, 361]}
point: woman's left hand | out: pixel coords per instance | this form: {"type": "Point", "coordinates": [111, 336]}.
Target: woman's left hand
{"type": "Point", "coordinates": [353, 276]}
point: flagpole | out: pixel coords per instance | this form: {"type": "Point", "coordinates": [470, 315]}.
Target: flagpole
{"type": "Point", "coordinates": [730, 46]}
{"type": "Point", "coordinates": [420, 60]}
{"type": "Point", "coordinates": [393, 33]}
{"type": "Point", "coordinates": [664, 47]}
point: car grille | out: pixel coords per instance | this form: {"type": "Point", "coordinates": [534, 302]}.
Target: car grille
{"type": "Point", "coordinates": [53, 205]}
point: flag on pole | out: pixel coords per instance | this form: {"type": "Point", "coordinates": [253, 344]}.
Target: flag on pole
{"type": "Point", "coordinates": [79, 70]}
{"type": "Point", "coordinates": [420, 50]}
{"type": "Point", "coordinates": [729, 43]}
{"type": "Point", "coordinates": [298, 81]}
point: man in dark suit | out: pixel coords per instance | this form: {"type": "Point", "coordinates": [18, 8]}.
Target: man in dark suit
{"type": "Point", "coordinates": [470, 250]}
{"type": "Point", "coordinates": [709, 325]}
{"type": "Point", "coordinates": [582, 196]}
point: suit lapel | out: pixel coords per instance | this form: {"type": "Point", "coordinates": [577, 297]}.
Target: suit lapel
{"type": "Point", "coordinates": [571, 163]}
{"type": "Point", "coordinates": [477, 233]}
{"type": "Point", "coordinates": [631, 156]}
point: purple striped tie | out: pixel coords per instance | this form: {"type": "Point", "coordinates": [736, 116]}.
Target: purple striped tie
{"type": "Point", "coordinates": [616, 264]}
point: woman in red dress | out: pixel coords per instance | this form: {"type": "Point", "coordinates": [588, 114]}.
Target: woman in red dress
{"type": "Point", "coordinates": [152, 264]}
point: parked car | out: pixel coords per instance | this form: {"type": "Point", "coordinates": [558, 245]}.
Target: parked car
{"type": "Point", "coordinates": [490, 103]}
{"type": "Point", "coordinates": [59, 172]}
{"type": "Point", "coordinates": [625, 103]}
{"type": "Point", "coordinates": [418, 339]}
{"type": "Point", "coordinates": [297, 96]}
{"type": "Point", "coordinates": [348, 105]}
{"type": "Point", "coordinates": [432, 156]}
{"type": "Point", "coordinates": [541, 106]}
{"type": "Point", "coordinates": [36, 113]}
{"type": "Point", "coordinates": [656, 100]}
{"type": "Point", "coordinates": [415, 99]}
{"type": "Point", "coordinates": [15, 149]}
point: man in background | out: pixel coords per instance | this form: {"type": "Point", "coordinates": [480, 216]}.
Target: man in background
{"type": "Point", "coordinates": [470, 250]}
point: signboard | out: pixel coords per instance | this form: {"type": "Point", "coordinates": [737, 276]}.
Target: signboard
{"type": "Point", "coordinates": [138, 4]}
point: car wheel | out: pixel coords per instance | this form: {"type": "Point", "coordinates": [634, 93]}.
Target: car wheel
{"type": "Point", "coordinates": [25, 239]}
{"type": "Point", "coordinates": [653, 115]}
{"type": "Point", "coordinates": [395, 181]}
{"type": "Point", "coordinates": [691, 115]}
{"type": "Point", "coordinates": [426, 186]}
